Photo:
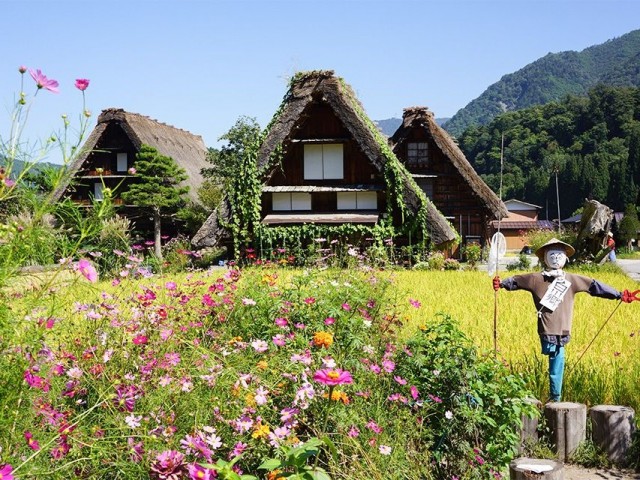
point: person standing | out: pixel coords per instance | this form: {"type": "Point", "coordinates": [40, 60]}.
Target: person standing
{"type": "Point", "coordinates": [611, 245]}
{"type": "Point", "coordinates": [553, 291]}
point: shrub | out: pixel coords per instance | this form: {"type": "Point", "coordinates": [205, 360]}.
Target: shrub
{"type": "Point", "coordinates": [436, 260]}
{"type": "Point", "coordinates": [523, 263]}
{"type": "Point", "coordinates": [472, 253]}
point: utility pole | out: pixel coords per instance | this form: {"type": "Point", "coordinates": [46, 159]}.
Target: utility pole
{"type": "Point", "coordinates": [558, 200]}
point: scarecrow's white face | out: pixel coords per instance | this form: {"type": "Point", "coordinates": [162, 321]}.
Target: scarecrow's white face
{"type": "Point", "coordinates": [555, 258]}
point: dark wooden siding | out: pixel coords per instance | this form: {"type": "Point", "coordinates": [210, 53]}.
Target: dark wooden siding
{"type": "Point", "coordinates": [452, 194]}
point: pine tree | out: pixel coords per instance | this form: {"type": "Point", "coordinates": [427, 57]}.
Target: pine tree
{"type": "Point", "coordinates": [629, 225]}
{"type": "Point", "coordinates": [157, 188]}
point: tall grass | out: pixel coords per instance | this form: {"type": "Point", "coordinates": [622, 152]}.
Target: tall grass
{"type": "Point", "coordinates": [609, 370]}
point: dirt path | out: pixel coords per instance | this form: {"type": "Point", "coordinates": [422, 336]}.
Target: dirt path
{"type": "Point", "coordinates": [574, 472]}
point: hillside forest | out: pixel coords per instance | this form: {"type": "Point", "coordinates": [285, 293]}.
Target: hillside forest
{"type": "Point", "coordinates": [590, 144]}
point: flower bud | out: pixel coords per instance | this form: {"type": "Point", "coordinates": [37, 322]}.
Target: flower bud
{"type": "Point", "coordinates": [22, 69]}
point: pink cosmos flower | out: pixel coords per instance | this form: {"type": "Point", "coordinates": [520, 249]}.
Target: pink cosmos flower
{"type": "Point", "coordinates": [132, 171]}
{"type": "Point", "coordinates": [333, 377]}
{"type": "Point", "coordinates": [414, 303]}
{"type": "Point", "coordinates": [346, 306]}
{"type": "Point", "coordinates": [384, 450]}
{"type": "Point", "coordinates": [31, 443]}
{"type": "Point", "coordinates": [329, 321]}
{"type": "Point", "coordinates": [5, 472]}
{"type": "Point", "coordinates": [198, 472]}
{"type": "Point", "coordinates": [353, 432]}
{"type": "Point", "coordinates": [400, 380]}
{"type": "Point", "coordinates": [388, 366]}
{"type": "Point", "coordinates": [22, 69]}
{"type": "Point", "coordinates": [43, 82]}
{"type": "Point", "coordinates": [82, 84]}
{"type": "Point", "coordinates": [140, 340]}
{"type": "Point", "coordinates": [414, 392]}
{"type": "Point", "coordinates": [374, 427]}
{"type": "Point", "coordinates": [281, 322]}
{"type": "Point", "coordinates": [89, 272]}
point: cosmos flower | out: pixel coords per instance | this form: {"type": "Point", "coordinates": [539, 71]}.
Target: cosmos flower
{"type": "Point", "coordinates": [89, 272]}
{"type": "Point", "coordinates": [333, 377]}
{"type": "Point", "coordinates": [82, 84]}
{"type": "Point", "coordinates": [43, 82]}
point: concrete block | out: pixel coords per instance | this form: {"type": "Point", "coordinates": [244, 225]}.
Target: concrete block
{"type": "Point", "coordinates": [612, 428]}
{"type": "Point", "coordinates": [568, 424]}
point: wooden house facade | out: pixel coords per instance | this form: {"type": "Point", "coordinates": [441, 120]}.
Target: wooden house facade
{"type": "Point", "coordinates": [109, 154]}
{"type": "Point", "coordinates": [324, 163]}
{"type": "Point", "coordinates": [522, 219]}
{"type": "Point", "coordinates": [447, 178]}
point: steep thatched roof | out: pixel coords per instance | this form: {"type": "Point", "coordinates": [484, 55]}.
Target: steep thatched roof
{"type": "Point", "coordinates": [186, 149]}
{"type": "Point", "coordinates": [306, 88]}
{"type": "Point", "coordinates": [421, 117]}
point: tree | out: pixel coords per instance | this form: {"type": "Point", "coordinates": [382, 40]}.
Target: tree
{"type": "Point", "coordinates": [629, 225]}
{"type": "Point", "coordinates": [242, 135]}
{"type": "Point", "coordinates": [157, 188]}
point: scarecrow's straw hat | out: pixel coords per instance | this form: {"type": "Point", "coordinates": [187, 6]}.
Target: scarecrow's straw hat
{"type": "Point", "coordinates": [554, 242]}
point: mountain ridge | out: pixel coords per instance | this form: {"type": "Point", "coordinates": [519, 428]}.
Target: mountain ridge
{"type": "Point", "coordinates": [552, 77]}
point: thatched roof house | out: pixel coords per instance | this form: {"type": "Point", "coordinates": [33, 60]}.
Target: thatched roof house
{"type": "Point", "coordinates": [441, 169]}
{"type": "Point", "coordinates": [320, 111]}
{"type": "Point", "coordinates": [112, 145]}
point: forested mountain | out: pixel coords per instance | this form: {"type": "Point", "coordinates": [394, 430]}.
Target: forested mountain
{"type": "Point", "coordinates": [592, 142]}
{"type": "Point", "coordinates": [553, 77]}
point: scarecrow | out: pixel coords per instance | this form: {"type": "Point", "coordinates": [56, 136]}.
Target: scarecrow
{"type": "Point", "coordinates": [553, 291]}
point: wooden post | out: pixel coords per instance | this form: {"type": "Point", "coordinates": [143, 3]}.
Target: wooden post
{"type": "Point", "coordinates": [568, 424]}
{"type": "Point", "coordinates": [535, 469]}
{"type": "Point", "coordinates": [612, 429]}
{"type": "Point", "coordinates": [529, 431]}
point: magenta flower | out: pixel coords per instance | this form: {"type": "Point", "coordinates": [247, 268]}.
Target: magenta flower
{"type": "Point", "coordinates": [22, 69]}
{"type": "Point", "coordinates": [5, 472]}
{"type": "Point", "coordinates": [168, 464]}
{"type": "Point", "coordinates": [82, 84]}
{"type": "Point", "coordinates": [333, 377]}
{"type": "Point", "coordinates": [415, 303]}
{"type": "Point", "coordinates": [140, 340]}
{"type": "Point", "coordinates": [31, 442]}
{"type": "Point", "coordinates": [198, 472]}
{"type": "Point", "coordinates": [414, 392]}
{"type": "Point", "coordinates": [43, 82]}
{"type": "Point", "coordinates": [87, 270]}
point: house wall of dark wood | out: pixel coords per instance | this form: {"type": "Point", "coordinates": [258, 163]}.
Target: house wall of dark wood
{"type": "Point", "coordinates": [101, 166]}
{"type": "Point", "coordinates": [451, 193]}
{"type": "Point", "coordinates": [319, 122]}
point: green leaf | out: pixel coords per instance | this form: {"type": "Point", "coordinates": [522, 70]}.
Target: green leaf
{"type": "Point", "coordinates": [332, 447]}
{"type": "Point", "coordinates": [270, 464]}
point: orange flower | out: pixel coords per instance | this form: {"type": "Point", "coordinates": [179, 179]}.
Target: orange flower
{"type": "Point", "coordinates": [261, 431]}
{"type": "Point", "coordinates": [322, 339]}
{"type": "Point", "coordinates": [338, 396]}
{"type": "Point", "coordinates": [274, 474]}
{"type": "Point", "coordinates": [262, 365]}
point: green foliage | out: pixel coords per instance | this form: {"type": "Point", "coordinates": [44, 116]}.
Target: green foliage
{"type": "Point", "coordinates": [472, 253]}
{"type": "Point", "coordinates": [293, 462]}
{"type": "Point", "coordinates": [157, 187]}
{"type": "Point", "coordinates": [477, 402]}
{"type": "Point", "coordinates": [591, 144]}
{"type": "Point", "coordinates": [629, 226]}
{"type": "Point", "coordinates": [552, 78]}
{"type": "Point", "coordinates": [523, 263]}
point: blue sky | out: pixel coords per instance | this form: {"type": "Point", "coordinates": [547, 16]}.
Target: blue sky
{"type": "Point", "coordinates": [199, 65]}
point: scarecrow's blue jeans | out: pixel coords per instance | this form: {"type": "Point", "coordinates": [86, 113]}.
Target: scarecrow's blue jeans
{"type": "Point", "coordinates": [556, 368]}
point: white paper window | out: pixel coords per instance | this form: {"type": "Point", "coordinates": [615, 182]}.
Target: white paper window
{"type": "Point", "coordinates": [97, 191]}
{"type": "Point", "coordinates": [291, 201]}
{"type": "Point", "coordinates": [121, 162]}
{"type": "Point", "coordinates": [357, 201]}
{"type": "Point", "coordinates": [324, 162]}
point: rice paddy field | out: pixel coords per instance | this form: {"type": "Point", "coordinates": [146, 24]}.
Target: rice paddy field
{"type": "Point", "coordinates": [608, 371]}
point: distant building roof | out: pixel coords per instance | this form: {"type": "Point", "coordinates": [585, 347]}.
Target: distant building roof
{"type": "Point", "coordinates": [524, 225]}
